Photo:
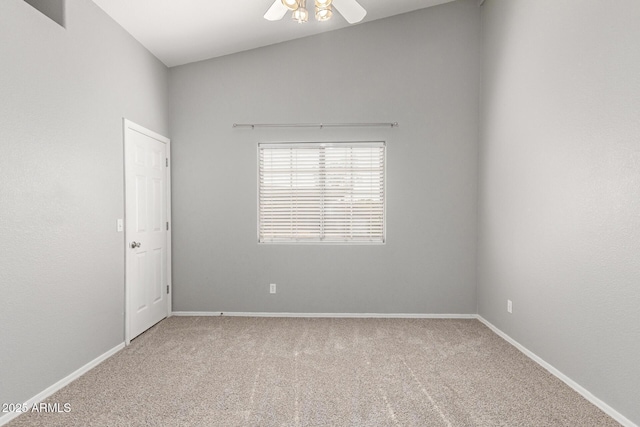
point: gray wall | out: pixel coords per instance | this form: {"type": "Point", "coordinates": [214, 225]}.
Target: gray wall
{"type": "Point", "coordinates": [63, 94]}
{"type": "Point", "coordinates": [560, 187]}
{"type": "Point", "coordinates": [54, 9]}
{"type": "Point", "coordinates": [420, 69]}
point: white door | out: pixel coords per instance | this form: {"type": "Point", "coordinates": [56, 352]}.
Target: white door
{"type": "Point", "coordinates": [146, 194]}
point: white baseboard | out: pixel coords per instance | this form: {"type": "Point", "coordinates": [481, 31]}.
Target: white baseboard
{"type": "Point", "coordinates": [323, 315]}
{"type": "Point", "coordinates": [562, 377]}
{"type": "Point", "coordinates": [60, 384]}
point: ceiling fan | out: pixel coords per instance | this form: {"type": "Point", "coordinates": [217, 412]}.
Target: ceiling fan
{"type": "Point", "coordinates": [349, 9]}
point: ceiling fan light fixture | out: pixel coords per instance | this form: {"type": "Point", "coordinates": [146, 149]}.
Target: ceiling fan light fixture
{"type": "Point", "coordinates": [291, 4]}
{"type": "Point", "coordinates": [323, 13]}
{"type": "Point", "coordinates": [301, 14]}
{"type": "Point", "coordinates": [350, 10]}
{"type": "Point", "coordinates": [323, 4]}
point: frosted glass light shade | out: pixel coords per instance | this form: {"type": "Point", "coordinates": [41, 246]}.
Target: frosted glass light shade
{"type": "Point", "coordinates": [301, 15]}
{"type": "Point", "coordinates": [291, 4]}
{"type": "Point", "coordinates": [323, 13]}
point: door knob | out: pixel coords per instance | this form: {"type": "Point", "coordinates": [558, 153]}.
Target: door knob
{"type": "Point", "coordinates": [135, 245]}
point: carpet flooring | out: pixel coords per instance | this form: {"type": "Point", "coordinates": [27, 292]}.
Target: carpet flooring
{"type": "Point", "coordinates": [234, 371]}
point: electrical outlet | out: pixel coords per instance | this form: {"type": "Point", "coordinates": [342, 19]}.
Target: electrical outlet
{"type": "Point", "coordinates": [509, 306]}
{"type": "Point", "coordinates": [272, 288]}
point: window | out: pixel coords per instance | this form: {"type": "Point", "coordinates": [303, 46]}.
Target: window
{"type": "Point", "coordinates": [321, 192]}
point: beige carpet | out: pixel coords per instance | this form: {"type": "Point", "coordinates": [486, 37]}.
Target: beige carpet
{"type": "Point", "coordinates": [231, 371]}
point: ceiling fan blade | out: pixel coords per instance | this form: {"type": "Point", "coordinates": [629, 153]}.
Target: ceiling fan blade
{"type": "Point", "coordinates": [350, 10]}
{"type": "Point", "coordinates": [276, 11]}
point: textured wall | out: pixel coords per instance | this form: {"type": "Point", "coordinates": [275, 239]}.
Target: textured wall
{"type": "Point", "coordinates": [560, 187]}
{"type": "Point", "coordinates": [420, 69]}
{"type": "Point", "coordinates": [63, 94]}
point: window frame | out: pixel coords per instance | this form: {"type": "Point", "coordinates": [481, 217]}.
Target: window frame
{"type": "Point", "coordinates": [320, 242]}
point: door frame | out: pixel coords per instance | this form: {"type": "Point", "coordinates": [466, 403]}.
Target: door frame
{"type": "Point", "coordinates": [128, 126]}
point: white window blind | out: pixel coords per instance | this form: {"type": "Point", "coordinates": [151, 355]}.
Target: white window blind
{"type": "Point", "coordinates": [321, 192]}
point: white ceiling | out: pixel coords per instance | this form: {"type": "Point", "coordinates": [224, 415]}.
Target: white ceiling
{"type": "Point", "coordinates": [183, 31]}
